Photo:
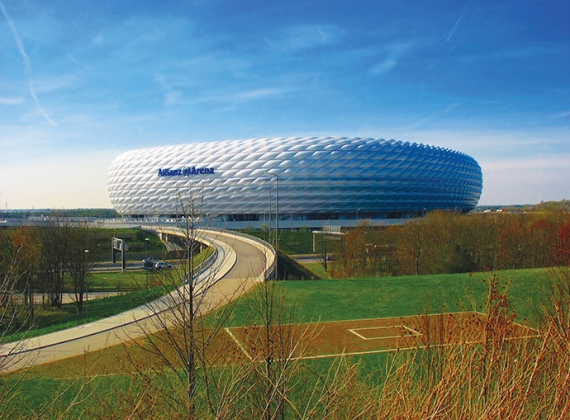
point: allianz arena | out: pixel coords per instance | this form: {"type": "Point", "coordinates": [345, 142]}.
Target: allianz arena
{"type": "Point", "coordinates": [310, 181]}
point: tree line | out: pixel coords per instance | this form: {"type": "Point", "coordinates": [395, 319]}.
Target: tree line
{"type": "Point", "coordinates": [448, 242]}
{"type": "Point", "coordinates": [42, 260]}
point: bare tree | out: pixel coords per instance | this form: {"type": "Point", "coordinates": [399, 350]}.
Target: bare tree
{"type": "Point", "coordinates": [53, 258]}
{"type": "Point", "coordinates": [15, 274]}
{"type": "Point", "coordinates": [78, 262]}
{"type": "Point", "coordinates": [412, 247]}
{"type": "Point", "coordinates": [323, 248]}
{"type": "Point", "coordinates": [180, 340]}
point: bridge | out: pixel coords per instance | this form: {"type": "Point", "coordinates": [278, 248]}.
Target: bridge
{"type": "Point", "coordinates": [239, 262]}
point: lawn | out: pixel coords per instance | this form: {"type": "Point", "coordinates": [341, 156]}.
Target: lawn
{"type": "Point", "coordinates": [336, 300]}
{"type": "Point", "coordinates": [329, 300]}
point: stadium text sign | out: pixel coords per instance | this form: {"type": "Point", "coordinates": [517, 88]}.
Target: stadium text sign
{"type": "Point", "coordinates": [185, 171]}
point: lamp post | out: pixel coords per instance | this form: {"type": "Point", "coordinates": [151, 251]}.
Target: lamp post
{"type": "Point", "coordinates": [145, 257]}
{"type": "Point", "coordinates": [276, 175]}
{"type": "Point", "coordinates": [86, 252]}
{"type": "Point", "coordinates": [276, 210]}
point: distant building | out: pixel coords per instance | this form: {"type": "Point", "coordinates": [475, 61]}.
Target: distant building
{"type": "Point", "coordinates": [307, 180]}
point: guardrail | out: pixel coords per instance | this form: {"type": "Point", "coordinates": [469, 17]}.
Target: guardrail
{"type": "Point", "coordinates": [206, 264]}
{"type": "Point", "coordinates": [270, 270]}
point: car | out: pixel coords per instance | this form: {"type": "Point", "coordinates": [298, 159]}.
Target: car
{"type": "Point", "coordinates": [149, 262]}
{"type": "Point", "coordinates": [161, 265]}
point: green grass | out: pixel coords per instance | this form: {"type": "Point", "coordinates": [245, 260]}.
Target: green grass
{"type": "Point", "coordinates": [328, 300]}
{"type": "Point", "coordinates": [117, 281]}
{"type": "Point", "coordinates": [332, 300]}
{"type": "Point", "coordinates": [318, 269]}
{"type": "Point", "coordinates": [290, 242]}
{"type": "Point", "coordinates": [50, 319]}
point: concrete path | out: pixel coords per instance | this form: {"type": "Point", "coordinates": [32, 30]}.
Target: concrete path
{"type": "Point", "coordinates": [242, 261]}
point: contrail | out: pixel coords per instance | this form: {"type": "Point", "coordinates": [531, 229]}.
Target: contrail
{"type": "Point", "coordinates": [26, 63]}
{"type": "Point", "coordinates": [452, 32]}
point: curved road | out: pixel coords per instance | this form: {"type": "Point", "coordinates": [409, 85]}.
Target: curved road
{"type": "Point", "coordinates": [242, 262]}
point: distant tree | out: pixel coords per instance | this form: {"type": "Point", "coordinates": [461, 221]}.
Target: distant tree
{"type": "Point", "coordinates": [79, 240]}
{"type": "Point", "coordinates": [513, 247]}
{"type": "Point", "coordinates": [542, 238]}
{"type": "Point", "coordinates": [563, 245]}
{"type": "Point", "coordinates": [411, 247]}
{"type": "Point", "coordinates": [53, 259]}
{"type": "Point", "coordinates": [440, 251]}
{"type": "Point", "coordinates": [324, 247]}
{"type": "Point", "coordinates": [26, 241]}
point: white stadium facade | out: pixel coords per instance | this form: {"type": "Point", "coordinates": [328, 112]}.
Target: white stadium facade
{"type": "Point", "coordinates": [301, 181]}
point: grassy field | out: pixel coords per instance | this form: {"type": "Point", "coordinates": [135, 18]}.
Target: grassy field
{"type": "Point", "coordinates": [335, 300]}
{"type": "Point", "coordinates": [311, 301]}
{"type": "Point", "coordinates": [338, 300]}
{"type": "Point", "coordinates": [290, 242]}
{"type": "Point", "coordinates": [119, 281]}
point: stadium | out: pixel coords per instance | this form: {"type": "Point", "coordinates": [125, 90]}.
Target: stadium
{"type": "Point", "coordinates": [300, 181]}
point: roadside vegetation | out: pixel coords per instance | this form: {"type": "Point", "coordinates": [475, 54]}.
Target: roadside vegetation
{"type": "Point", "coordinates": [51, 281]}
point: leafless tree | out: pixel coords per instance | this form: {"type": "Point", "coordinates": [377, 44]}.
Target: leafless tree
{"type": "Point", "coordinates": [180, 340]}
{"type": "Point", "coordinates": [78, 261]}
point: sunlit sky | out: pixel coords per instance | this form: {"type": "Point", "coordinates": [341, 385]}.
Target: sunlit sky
{"type": "Point", "coordinates": [81, 81]}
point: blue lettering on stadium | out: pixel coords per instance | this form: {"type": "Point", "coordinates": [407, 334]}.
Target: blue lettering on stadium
{"type": "Point", "coordinates": [187, 171]}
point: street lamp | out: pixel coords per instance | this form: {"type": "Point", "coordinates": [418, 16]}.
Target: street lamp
{"type": "Point", "coordinates": [85, 280]}
{"type": "Point", "coordinates": [146, 256]}
{"type": "Point", "coordinates": [276, 208]}
{"type": "Point", "coordinates": [276, 175]}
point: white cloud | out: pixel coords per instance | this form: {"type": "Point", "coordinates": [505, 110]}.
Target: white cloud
{"type": "Point", "coordinates": [11, 101]}
{"type": "Point", "coordinates": [565, 115]}
{"type": "Point", "coordinates": [243, 96]}
{"type": "Point", "coordinates": [434, 116]}
{"type": "Point", "coordinates": [51, 84]}
{"type": "Point", "coordinates": [258, 94]}
{"type": "Point", "coordinates": [393, 54]}
{"type": "Point", "coordinates": [172, 98]}
{"type": "Point", "coordinates": [307, 36]}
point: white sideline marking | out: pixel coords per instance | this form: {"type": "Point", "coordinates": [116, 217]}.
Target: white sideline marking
{"type": "Point", "coordinates": [238, 343]}
{"type": "Point", "coordinates": [354, 331]}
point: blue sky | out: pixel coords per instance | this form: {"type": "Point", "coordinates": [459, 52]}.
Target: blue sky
{"type": "Point", "coordinates": [83, 81]}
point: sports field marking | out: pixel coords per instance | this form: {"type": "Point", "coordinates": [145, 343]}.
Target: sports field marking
{"type": "Point", "coordinates": [396, 330]}
{"type": "Point", "coordinates": [384, 335]}
{"type": "Point", "coordinates": [238, 343]}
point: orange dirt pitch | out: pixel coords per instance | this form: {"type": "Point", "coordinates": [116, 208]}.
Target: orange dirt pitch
{"type": "Point", "coordinates": [365, 336]}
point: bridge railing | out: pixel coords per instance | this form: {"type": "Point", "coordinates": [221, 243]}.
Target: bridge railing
{"type": "Point", "coordinates": [270, 271]}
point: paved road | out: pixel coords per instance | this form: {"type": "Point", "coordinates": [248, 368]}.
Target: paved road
{"type": "Point", "coordinates": [243, 263]}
